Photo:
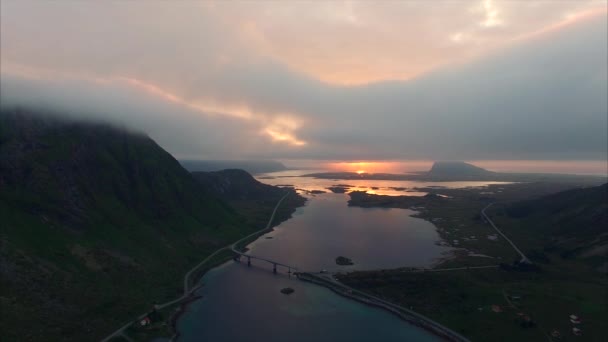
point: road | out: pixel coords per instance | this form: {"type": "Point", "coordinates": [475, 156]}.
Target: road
{"type": "Point", "coordinates": [234, 246]}
{"type": "Point", "coordinates": [187, 290]}
{"type": "Point", "coordinates": [524, 259]}
{"type": "Point", "coordinates": [451, 269]}
{"type": "Point", "coordinates": [330, 282]}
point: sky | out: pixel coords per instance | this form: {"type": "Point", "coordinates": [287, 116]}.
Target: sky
{"type": "Point", "coordinates": [298, 80]}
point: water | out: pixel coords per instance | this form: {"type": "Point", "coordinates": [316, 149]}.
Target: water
{"type": "Point", "coordinates": [245, 303]}
{"type": "Point", "coordinates": [380, 187]}
{"type": "Point", "coordinates": [372, 237]}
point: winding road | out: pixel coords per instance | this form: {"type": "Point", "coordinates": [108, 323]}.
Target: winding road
{"type": "Point", "coordinates": [524, 259]}
{"type": "Point", "coordinates": [234, 246]}
{"type": "Point", "coordinates": [187, 290]}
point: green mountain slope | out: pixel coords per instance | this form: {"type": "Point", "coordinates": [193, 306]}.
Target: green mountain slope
{"type": "Point", "coordinates": [574, 221]}
{"type": "Point", "coordinates": [234, 184]}
{"type": "Point", "coordinates": [96, 224]}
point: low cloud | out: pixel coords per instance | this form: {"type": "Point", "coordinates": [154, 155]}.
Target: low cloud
{"type": "Point", "coordinates": [207, 90]}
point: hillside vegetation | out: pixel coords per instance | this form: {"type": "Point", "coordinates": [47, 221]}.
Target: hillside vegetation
{"type": "Point", "coordinates": [98, 223]}
{"type": "Point", "coordinates": [562, 232]}
{"type": "Point", "coordinates": [571, 222]}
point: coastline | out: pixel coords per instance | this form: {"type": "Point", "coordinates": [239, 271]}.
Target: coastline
{"type": "Point", "coordinates": [405, 314]}
{"type": "Point", "coordinates": [186, 298]}
{"type": "Point", "coordinates": [182, 309]}
{"type": "Point", "coordinates": [244, 242]}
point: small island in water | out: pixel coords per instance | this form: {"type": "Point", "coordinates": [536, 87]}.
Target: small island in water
{"type": "Point", "coordinates": [287, 290]}
{"type": "Point", "coordinates": [344, 261]}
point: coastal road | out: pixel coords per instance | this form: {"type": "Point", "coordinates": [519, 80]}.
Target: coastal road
{"type": "Point", "coordinates": [451, 269]}
{"type": "Point", "coordinates": [268, 227]}
{"type": "Point", "coordinates": [524, 259]}
{"type": "Point", "coordinates": [187, 290]}
{"type": "Point", "coordinates": [327, 280]}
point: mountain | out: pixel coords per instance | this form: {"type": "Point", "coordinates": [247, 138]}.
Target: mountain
{"type": "Point", "coordinates": [573, 221]}
{"type": "Point", "coordinates": [244, 193]}
{"type": "Point", "coordinates": [460, 171]}
{"type": "Point", "coordinates": [251, 166]}
{"type": "Point", "coordinates": [98, 223]}
{"type": "Point", "coordinates": [457, 170]}
{"type": "Point", "coordinates": [235, 184]}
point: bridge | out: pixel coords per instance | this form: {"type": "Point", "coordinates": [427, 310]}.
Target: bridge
{"type": "Point", "coordinates": [188, 291]}
{"type": "Point", "coordinates": [272, 262]}
{"type": "Point", "coordinates": [249, 257]}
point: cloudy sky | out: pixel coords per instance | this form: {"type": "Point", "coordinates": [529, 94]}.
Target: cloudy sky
{"type": "Point", "coordinates": [333, 80]}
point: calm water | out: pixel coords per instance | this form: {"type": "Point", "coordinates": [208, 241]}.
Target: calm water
{"type": "Point", "coordinates": [242, 303]}
{"type": "Point", "coordinates": [380, 187]}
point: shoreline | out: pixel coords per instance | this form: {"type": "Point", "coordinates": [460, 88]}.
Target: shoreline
{"type": "Point", "coordinates": [182, 309]}
{"type": "Point", "coordinates": [404, 314]}
{"type": "Point", "coordinates": [254, 237]}
{"type": "Point", "coordinates": [188, 292]}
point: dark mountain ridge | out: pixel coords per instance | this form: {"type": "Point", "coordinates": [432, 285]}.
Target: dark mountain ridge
{"type": "Point", "coordinates": [251, 166]}
{"type": "Point", "coordinates": [78, 167]}
{"type": "Point", "coordinates": [235, 184]}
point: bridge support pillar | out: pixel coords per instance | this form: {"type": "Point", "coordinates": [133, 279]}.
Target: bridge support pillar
{"type": "Point", "coordinates": [274, 268]}
{"type": "Point", "coordinates": [248, 261]}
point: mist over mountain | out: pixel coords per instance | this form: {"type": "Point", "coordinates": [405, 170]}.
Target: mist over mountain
{"type": "Point", "coordinates": [541, 95]}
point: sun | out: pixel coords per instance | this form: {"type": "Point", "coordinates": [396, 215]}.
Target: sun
{"type": "Point", "coordinates": [359, 172]}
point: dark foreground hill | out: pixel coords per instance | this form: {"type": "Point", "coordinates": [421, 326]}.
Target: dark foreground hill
{"type": "Point", "coordinates": [97, 223]}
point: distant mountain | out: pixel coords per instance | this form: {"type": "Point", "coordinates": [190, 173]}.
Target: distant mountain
{"type": "Point", "coordinates": [575, 221]}
{"type": "Point", "coordinates": [458, 170]}
{"type": "Point", "coordinates": [96, 224]}
{"type": "Point", "coordinates": [235, 184]}
{"type": "Point", "coordinates": [251, 166]}
{"type": "Point", "coordinates": [461, 171]}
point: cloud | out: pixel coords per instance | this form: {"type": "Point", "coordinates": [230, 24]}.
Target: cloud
{"type": "Point", "coordinates": [223, 80]}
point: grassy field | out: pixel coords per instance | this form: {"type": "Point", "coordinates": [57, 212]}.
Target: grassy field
{"type": "Point", "coordinates": [547, 293]}
{"type": "Point", "coordinates": [463, 300]}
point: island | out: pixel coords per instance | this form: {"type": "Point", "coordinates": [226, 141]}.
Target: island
{"type": "Point", "coordinates": [337, 189]}
{"type": "Point", "coordinates": [461, 171]}
{"type": "Point", "coordinates": [287, 290]}
{"type": "Point", "coordinates": [344, 261]}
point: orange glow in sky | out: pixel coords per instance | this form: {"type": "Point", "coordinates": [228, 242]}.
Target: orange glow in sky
{"type": "Point", "coordinates": [378, 166]}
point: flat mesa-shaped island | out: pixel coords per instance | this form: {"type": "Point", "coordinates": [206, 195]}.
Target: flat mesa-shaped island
{"type": "Point", "coordinates": [344, 261]}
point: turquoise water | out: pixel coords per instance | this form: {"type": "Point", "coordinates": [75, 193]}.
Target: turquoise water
{"type": "Point", "coordinates": [245, 303]}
